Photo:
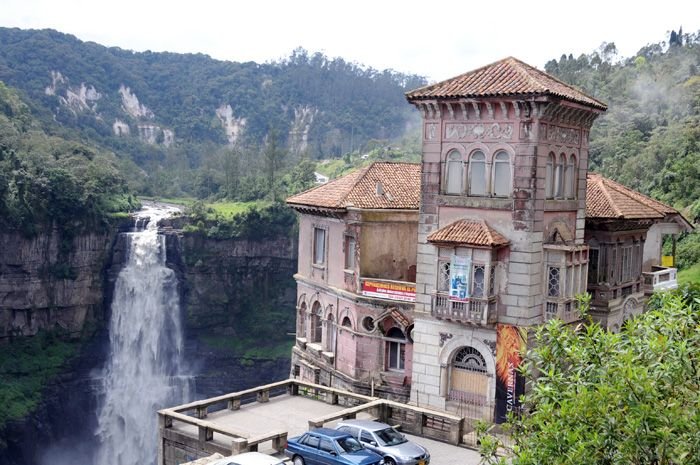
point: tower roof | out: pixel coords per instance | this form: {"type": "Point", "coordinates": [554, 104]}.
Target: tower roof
{"type": "Point", "coordinates": [381, 185]}
{"type": "Point", "coordinates": [509, 77]}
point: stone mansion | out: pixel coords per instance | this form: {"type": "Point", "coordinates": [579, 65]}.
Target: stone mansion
{"type": "Point", "coordinates": [414, 279]}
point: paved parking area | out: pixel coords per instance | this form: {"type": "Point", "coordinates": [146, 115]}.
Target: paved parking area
{"type": "Point", "coordinates": [292, 413]}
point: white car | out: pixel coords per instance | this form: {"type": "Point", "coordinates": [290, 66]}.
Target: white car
{"type": "Point", "coordinates": [248, 458]}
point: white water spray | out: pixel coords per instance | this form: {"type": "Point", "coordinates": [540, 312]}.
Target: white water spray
{"type": "Point", "coordinates": [143, 372]}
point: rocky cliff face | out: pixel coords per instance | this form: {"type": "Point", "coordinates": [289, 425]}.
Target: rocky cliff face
{"type": "Point", "coordinates": [238, 301]}
{"type": "Point", "coordinates": [50, 281]}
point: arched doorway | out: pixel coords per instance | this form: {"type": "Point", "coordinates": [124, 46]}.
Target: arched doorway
{"type": "Point", "coordinates": [469, 379]}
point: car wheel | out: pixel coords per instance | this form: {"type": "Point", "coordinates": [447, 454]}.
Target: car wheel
{"type": "Point", "coordinates": [389, 461]}
{"type": "Point", "coordinates": [298, 460]}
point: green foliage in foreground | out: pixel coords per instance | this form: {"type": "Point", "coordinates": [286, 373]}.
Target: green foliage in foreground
{"type": "Point", "coordinates": [598, 398]}
{"type": "Point", "coordinates": [26, 365]}
{"type": "Point", "coordinates": [252, 223]}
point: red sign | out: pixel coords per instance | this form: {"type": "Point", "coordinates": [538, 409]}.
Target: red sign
{"type": "Point", "coordinates": [388, 290]}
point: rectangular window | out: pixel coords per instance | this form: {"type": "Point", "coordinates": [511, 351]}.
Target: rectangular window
{"type": "Point", "coordinates": [626, 263]}
{"type": "Point", "coordinates": [397, 355]}
{"type": "Point", "coordinates": [443, 280]}
{"type": "Point", "coordinates": [478, 281]}
{"type": "Point", "coordinates": [553, 281]}
{"type": "Point", "coordinates": [319, 246]}
{"type": "Point", "coordinates": [593, 266]}
{"type": "Point", "coordinates": [349, 253]}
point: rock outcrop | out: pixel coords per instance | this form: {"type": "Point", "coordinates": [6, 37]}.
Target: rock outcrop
{"type": "Point", "coordinates": [51, 281]}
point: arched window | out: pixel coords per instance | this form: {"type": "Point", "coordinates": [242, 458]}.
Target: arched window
{"type": "Point", "coordinates": [454, 173]}
{"type": "Point", "coordinates": [559, 177]}
{"type": "Point", "coordinates": [330, 333]}
{"type": "Point", "coordinates": [396, 349]}
{"type": "Point", "coordinates": [570, 178]}
{"type": "Point", "coordinates": [477, 173]}
{"type": "Point", "coordinates": [549, 177]}
{"type": "Point", "coordinates": [316, 326]}
{"type": "Point", "coordinates": [501, 175]}
{"type": "Point", "coordinates": [470, 359]}
{"type": "Point", "coordinates": [346, 323]}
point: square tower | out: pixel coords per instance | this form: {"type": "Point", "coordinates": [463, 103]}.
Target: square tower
{"type": "Point", "coordinates": [501, 221]}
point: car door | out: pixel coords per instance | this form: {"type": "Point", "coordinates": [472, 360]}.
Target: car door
{"type": "Point", "coordinates": [327, 452]}
{"type": "Point", "coordinates": [369, 441]}
{"type": "Point", "coordinates": [310, 449]}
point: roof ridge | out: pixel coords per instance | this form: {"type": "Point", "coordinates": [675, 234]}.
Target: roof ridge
{"type": "Point", "coordinates": [527, 76]}
{"type": "Point", "coordinates": [604, 189]}
{"type": "Point", "coordinates": [473, 71]}
{"type": "Point", "coordinates": [487, 230]}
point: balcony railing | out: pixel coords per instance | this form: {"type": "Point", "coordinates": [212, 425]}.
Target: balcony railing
{"type": "Point", "coordinates": [660, 278]}
{"type": "Point", "coordinates": [474, 310]}
{"type": "Point", "coordinates": [565, 310]}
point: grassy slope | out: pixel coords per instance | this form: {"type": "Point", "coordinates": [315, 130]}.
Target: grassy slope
{"type": "Point", "coordinates": [690, 275]}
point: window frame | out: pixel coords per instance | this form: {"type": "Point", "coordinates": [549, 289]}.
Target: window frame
{"type": "Point", "coordinates": [396, 351]}
{"type": "Point", "coordinates": [350, 252]}
{"type": "Point", "coordinates": [454, 157]}
{"type": "Point", "coordinates": [315, 260]}
{"type": "Point", "coordinates": [472, 175]}
{"type": "Point", "coordinates": [494, 173]}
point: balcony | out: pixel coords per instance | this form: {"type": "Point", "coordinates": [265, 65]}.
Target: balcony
{"type": "Point", "coordinates": [660, 278]}
{"type": "Point", "coordinates": [478, 311]}
{"type": "Point", "coordinates": [565, 310]}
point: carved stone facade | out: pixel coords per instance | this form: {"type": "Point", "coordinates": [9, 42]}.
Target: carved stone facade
{"type": "Point", "coordinates": [527, 131]}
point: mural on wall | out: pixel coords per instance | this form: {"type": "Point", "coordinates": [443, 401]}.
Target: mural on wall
{"type": "Point", "coordinates": [459, 278]}
{"type": "Point", "coordinates": [511, 343]}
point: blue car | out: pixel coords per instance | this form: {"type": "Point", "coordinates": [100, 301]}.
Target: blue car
{"type": "Point", "coordinates": [324, 446]}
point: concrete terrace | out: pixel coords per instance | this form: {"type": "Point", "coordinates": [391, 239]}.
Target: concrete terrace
{"type": "Point", "coordinates": [264, 417]}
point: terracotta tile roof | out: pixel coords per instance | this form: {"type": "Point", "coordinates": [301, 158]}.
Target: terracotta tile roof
{"type": "Point", "coordinates": [472, 232]}
{"type": "Point", "coordinates": [507, 77]}
{"type": "Point", "coordinates": [384, 185]}
{"type": "Point", "coordinates": [606, 198]}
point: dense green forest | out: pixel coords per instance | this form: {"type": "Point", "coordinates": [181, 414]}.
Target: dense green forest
{"type": "Point", "coordinates": [198, 126]}
{"type": "Point", "coordinates": [49, 180]}
{"type": "Point", "coordinates": [649, 139]}
{"type": "Point", "coordinates": [286, 116]}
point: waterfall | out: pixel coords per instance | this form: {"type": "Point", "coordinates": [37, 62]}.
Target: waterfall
{"type": "Point", "coordinates": [144, 370]}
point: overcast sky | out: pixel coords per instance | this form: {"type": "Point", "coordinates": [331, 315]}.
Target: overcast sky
{"type": "Point", "coordinates": [434, 38]}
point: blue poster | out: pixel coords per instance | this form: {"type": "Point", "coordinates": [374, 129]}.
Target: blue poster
{"type": "Point", "coordinates": [460, 268]}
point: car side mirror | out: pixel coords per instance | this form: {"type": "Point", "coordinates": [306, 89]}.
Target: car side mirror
{"type": "Point", "coordinates": [373, 443]}
{"type": "Point", "coordinates": [334, 453]}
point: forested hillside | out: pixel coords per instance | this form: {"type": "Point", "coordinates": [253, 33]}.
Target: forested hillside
{"type": "Point", "coordinates": [649, 139]}
{"type": "Point", "coordinates": [184, 118]}
{"type": "Point", "coordinates": [48, 180]}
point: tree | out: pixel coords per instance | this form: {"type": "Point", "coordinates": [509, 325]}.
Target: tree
{"type": "Point", "coordinates": [273, 154]}
{"type": "Point", "coordinates": [598, 398]}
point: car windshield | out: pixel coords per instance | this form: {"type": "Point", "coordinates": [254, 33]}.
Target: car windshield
{"type": "Point", "coordinates": [390, 437]}
{"type": "Point", "coordinates": [349, 444]}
